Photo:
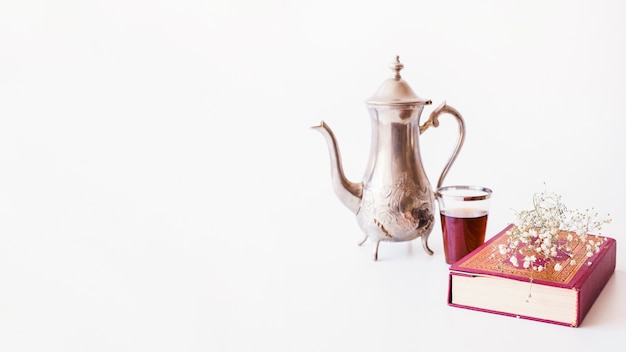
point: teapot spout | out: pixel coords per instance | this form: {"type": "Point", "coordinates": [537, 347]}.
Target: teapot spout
{"type": "Point", "coordinates": [349, 193]}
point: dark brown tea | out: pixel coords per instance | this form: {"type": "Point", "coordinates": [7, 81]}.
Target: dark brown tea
{"type": "Point", "coordinates": [463, 231]}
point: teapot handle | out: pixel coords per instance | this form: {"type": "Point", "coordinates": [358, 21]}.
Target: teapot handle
{"type": "Point", "coordinates": [433, 120]}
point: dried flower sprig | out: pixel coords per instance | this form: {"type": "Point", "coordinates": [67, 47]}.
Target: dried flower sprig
{"type": "Point", "coordinates": [534, 239]}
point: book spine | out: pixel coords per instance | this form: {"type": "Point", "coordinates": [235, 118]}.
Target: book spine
{"type": "Point", "coordinates": [602, 268]}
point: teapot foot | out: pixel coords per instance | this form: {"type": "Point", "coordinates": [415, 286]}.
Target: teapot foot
{"type": "Point", "coordinates": [376, 243]}
{"type": "Point", "coordinates": [425, 245]}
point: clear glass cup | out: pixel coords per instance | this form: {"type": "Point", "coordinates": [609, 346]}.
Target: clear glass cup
{"type": "Point", "coordinates": [464, 211]}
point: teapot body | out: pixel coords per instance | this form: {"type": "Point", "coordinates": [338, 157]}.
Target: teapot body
{"type": "Point", "coordinates": [397, 202]}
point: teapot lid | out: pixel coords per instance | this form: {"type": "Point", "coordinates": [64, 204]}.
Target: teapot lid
{"type": "Point", "coordinates": [395, 90]}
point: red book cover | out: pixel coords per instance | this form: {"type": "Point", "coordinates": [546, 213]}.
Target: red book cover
{"type": "Point", "coordinates": [484, 281]}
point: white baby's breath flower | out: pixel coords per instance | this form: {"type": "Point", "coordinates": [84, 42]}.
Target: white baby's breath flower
{"type": "Point", "coordinates": [535, 233]}
{"type": "Point", "coordinates": [528, 261]}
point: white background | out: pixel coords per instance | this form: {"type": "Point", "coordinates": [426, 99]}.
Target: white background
{"type": "Point", "coordinates": [160, 188]}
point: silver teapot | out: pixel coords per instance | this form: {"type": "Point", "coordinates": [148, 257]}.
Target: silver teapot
{"type": "Point", "coordinates": [395, 201]}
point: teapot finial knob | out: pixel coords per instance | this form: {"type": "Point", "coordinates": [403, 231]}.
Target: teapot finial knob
{"type": "Point", "coordinates": [396, 67]}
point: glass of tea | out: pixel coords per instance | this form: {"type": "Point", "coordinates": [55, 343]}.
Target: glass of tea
{"type": "Point", "coordinates": [464, 211]}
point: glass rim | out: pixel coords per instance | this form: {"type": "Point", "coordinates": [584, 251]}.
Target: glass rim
{"type": "Point", "coordinates": [486, 192]}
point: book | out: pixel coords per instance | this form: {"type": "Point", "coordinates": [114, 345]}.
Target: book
{"type": "Point", "coordinates": [483, 281]}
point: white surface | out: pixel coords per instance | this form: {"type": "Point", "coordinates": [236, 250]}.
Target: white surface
{"type": "Point", "coordinates": [160, 189]}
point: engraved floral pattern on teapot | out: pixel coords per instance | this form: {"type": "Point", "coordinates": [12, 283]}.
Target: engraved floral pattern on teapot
{"type": "Point", "coordinates": [402, 206]}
